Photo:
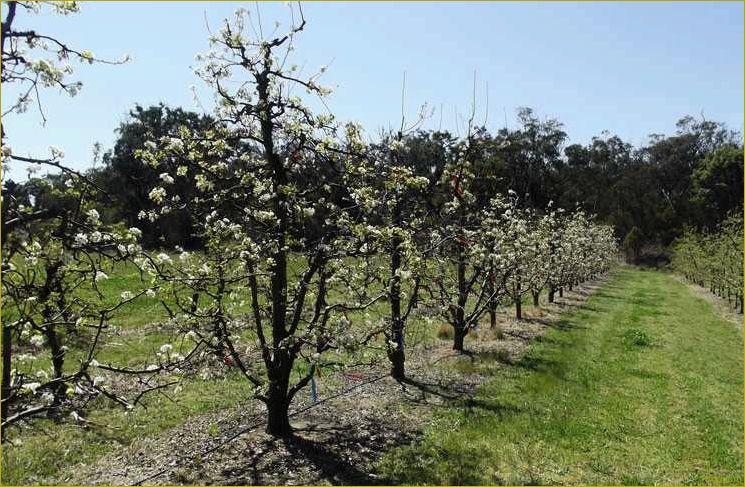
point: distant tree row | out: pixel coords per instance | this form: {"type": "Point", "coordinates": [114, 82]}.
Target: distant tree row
{"type": "Point", "coordinates": [714, 259]}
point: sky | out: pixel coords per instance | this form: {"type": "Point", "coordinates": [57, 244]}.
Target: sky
{"type": "Point", "coordinates": [628, 68]}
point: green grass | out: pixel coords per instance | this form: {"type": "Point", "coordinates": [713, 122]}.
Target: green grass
{"type": "Point", "coordinates": [36, 457]}
{"type": "Point", "coordinates": [642, 385]}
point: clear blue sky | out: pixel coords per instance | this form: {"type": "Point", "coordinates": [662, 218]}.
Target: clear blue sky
{"type": "Point", "coordinates": [630, 68]}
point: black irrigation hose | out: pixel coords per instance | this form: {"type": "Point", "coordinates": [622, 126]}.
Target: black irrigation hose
{"type": "Point", "coordinates": [261, 422]}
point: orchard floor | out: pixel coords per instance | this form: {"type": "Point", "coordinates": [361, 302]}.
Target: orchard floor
{"type": "Point", "coordinates": [631, 380]}
{"type": "Point", "coordinates": [642, 385]}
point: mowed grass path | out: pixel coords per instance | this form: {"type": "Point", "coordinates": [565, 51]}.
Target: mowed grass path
{"type": "Point", "coordinates": [642, 385]}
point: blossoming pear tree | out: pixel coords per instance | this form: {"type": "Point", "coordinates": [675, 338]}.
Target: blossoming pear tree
{"type": "Point", "coordinates": [544, 232]}
{"type": "Point", "coordinates": [52, 280]}
{"type": "Point", "coordinates": [395, 229]}
{"type": "Point", "coordinates": [522, 250]}
{"type": "Point", "coordinates": [466, 252]}
{"type": "Point", "coordinates": [587, 250]}
{"type": "Point", "coordinates": [275, 285]}
{"type": "Point", "coordinates": [54, 242]}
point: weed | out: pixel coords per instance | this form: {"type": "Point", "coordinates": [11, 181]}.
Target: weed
{"type": "Point", "coordinates": [636, 337]}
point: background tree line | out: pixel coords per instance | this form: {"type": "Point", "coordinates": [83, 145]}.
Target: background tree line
{"type": "Point", "coordinates": [649, 194]}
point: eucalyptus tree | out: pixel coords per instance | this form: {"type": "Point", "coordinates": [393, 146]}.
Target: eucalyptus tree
{"type": "Point", "coordinates": [126, 180]}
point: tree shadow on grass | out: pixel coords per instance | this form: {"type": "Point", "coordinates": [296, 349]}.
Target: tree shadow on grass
{"type": "Point", "coordinates": [460, 396]}
{"type": "Point", "coordinates": [562, 325]}
{"type": "Point", "coordinates": [529, 362]}
{"type": "Point", "coordinates": [449, 391]}
{"type": "Point", "coordinates": [605, 295]}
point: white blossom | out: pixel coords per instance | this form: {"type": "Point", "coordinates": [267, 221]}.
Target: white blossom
{"type": "Point", "coordinates": [93, 216]}
{"type": "Point", "coordinates": [166, 178]}
{"type": "Point", "coordinates": [56, 152]}
{"type": "Point", "coordinates": [157, 194]}
{"type": "Point", "coordinates": [31, 387]}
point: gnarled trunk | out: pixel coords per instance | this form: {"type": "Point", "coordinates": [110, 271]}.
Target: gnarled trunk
{"type": "Point", "coordinates": [278, 396]}
{"type": "Point", "coordinates": [277, 406]}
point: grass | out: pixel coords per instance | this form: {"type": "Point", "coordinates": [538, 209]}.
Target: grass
{"type": "Point", "coordinates": [642, 385]}
{"type": "Point", "coordinates": [37, 453]}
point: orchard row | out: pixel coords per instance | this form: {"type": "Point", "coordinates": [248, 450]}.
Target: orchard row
{"type": "Point", "coordinates": [714, 259]}
{"type": "Point", "coordinates": [317, 243]}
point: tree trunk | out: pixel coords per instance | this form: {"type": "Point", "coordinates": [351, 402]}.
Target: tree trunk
{"type": "Point", "coordinates": [519, 308]}
{"type": "Point", "coordinates": [561, 292]}
{"type": "Point", "coordinates": [50, 332]}
{"type": "Point", "coordinates": [551, 291]}
{"type": "Point", "coordinates": [459, 336]}
{"type": "Point", "coordinates": [277, 403]}
{"type": "Point", "coordinates": [396, 355]}
{"type": "Point", "coordinates": [535, 298]}
{"type": "Point", "coordinates": [280, 365]}
{"type": "Point", "coordinates": [6, 370]}
{"type": "Point", "coordinates": [58, 362]}
{"type": "Point", "coordinates": [218, 325]}
{"type": "Point", "coordinates": [278, 421]}
{"type": "Point", "coordinates": [492, 314]}
{"type": "Point", "coordinates": [492, 306]}
{"type": "Point", "coordinates": [194, 302]}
